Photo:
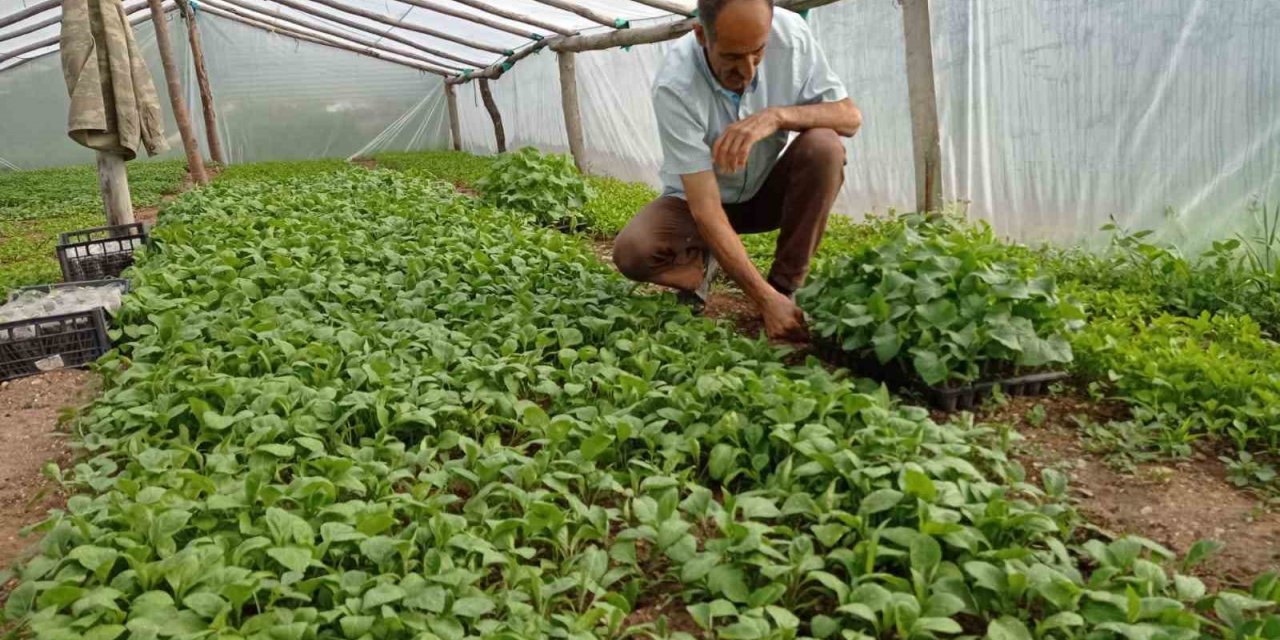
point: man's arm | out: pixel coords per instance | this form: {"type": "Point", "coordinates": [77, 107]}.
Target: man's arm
{"type": "Point", "coordinates": [843, 117]}
{"type": "Point", "coordinates": [782, 318]}
{"type": "Point", "coordinates": [731, 151]}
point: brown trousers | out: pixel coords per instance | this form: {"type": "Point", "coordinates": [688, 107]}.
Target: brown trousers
{"type": "Point", "coordinates": [795, 199]}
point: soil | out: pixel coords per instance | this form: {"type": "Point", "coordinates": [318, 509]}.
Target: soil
{"type": "Point", "coordinates": [676, 616]}
{"type": "Point", "coordinates": [736, 308]}
{"type": "Point", "coordinates": [30, 437]}
{"type": "Point", "coordinates": [368, 163]}
{"type": "Point", "coordinates": [150, 214]}
{"type": "Point", "coordinates": [1174, 503]}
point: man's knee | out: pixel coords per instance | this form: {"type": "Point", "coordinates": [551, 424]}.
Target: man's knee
{"type": "Point", "coordinates": [632, 254]}
{"type": "Point", "coordinates": [820, 147]}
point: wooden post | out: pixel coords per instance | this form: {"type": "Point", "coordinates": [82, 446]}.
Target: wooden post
{"type": "Point", "coordinates": [202, 79]}
{"type": "Point", "coordinates": [113, 183]}
{"type": "Point", "coordinates": [455, 124]}
{"type": "Point", "coordinates": [572, 112]}
{"type": "Point", "coordinates": [926, 141]}
{"type": "Point", "coordinates": [494, 9]}
{"type": "Point", "coordinates": [586, 12]}
{"type": "Point", "coordinates": [492, 107]}
{"type": "Point", "coordinates": [35, 9]}
{"type": "Point", "coordinates": [195, 164]}
{"type": "Point", "coordinates": [324, 35]}
{"type": "Point", "coordinates": [654, 33]}
{"type": "Point", "coordinates": [411, 26]}
{"type": "Point", "coordinates": [383, 34]}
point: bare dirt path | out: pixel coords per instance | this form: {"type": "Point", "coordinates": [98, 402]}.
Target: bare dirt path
{"type": "Point", "coordinates": [1174, 503]}
{"type": "Point", "coordinates": [31, 411]}
{"type": "Point", "coordinates": [30, 436]}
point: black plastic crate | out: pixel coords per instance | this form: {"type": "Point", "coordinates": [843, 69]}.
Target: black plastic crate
{"type": "Point", "coordinates": [962, 398]}
{"type": "Point", "coordinates": [62, 341]}
{"type": "Point", "coordinates": [100, 253]}
{"type": "Point", "coordinates": [123, 283]}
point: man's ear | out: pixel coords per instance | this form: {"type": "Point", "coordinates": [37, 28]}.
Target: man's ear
{"type": "Point", "coordinates": [699, 33]}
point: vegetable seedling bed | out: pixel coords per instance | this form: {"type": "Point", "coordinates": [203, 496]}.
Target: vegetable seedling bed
{"type": "Point", "coordinates": [99, 253]}
{"type": "Point", "coordinates": [961, 398]}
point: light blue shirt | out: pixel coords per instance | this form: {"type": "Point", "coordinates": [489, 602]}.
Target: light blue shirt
{"type": "Point", "coordinates": [693, 109]}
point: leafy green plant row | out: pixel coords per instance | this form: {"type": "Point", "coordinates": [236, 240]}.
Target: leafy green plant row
{"type": "Point", "coordinates": [66, 191]}
{"type": "Point", "coordinates": [35, 206]}
{"type": "Point", "coordinates": [941, 301]}
{"type": "Point", "coordinates": [1194, 377]}
{"type": "Point", "coordinates": [1238, 276]}
{"type": "Point", "coordinates": [360, 406]}
{"type": "Point", "coordinates": [280, 170]}
{"type": "Point", "coordinates": [1121, 290]}
{"type": "Point", "coordinates": [456, 167]}
{"type": "Point", "coordinates": [546, 187]}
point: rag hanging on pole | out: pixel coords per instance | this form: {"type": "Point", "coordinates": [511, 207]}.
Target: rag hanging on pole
{"type": "Point", "coordinates": [492, 108]}
{"type": "Point", "coordinates": [202, 79]}
{"type": "Point", "coordinates": [114, 107]}
{"type": "Point", "coordinates": [195, 163]}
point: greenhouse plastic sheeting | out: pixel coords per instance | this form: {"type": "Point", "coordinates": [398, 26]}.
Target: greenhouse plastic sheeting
{"type": "Point", "coordinates": [1055, 114]}
{"type": "Point", "coordinates": [34, 105]}
{"type": "Point", "coordinates": [278, 98]}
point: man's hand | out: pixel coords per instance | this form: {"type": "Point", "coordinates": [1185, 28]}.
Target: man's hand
{"type": "Point", "coordinates": [731, 150]}
{"type": "Point", "coordinates": [783, 320]}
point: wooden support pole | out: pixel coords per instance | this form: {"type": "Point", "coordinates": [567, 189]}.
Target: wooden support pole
{"type": "Point", "coordinates": [285, 23]}
{"type": "Point", "coordinates": [35, 9]}
{"type": "Point", "coordinates": [202, 79]}
{"type": "Point", "coordinates": [455, 121]}
{"type": "Point", "coordinates": [56, 18]}
{"type": "Point", "coordinates": [35, 26]}
{"type": "Point", "coordinates": [113, 184]}
{"type": "Point", "coordinates": [670, 6]}
{"type": "Point", "coordinates": [381, 33]}
{"type": "Point", "coordinates": [53, 41]}
{"type": "Point", "coordinates": [590, 14]}
{"type": "Point", "coordinates": [925, 139]}
{"type": "Point", "coordinates": [657, 33]}
{"type": "Point", "coordinates": [572, 112]}
{"type": "Point", "coordinates": [389, 21]}
{"type": "Point", "coordinates": [494, 114]}
{"type": "Point", "coordinates": [518, 17]}
{"type": "Point", "coordinates": [618, 38]}
{"type": "Point", "coordinates": [493, 72]}
{"type": "Point", "coordinates": [195, 163]}
{"type": "Point", "coordinates": [324, 41]}
{"type": "Point", "coordinates": [523, 32]}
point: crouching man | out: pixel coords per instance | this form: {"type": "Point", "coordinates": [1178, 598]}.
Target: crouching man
{"type": "Point", "coordinates": [726, 98]}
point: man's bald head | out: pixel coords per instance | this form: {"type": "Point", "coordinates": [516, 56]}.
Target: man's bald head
{"type": "Point", "coordinates": [709, 12]}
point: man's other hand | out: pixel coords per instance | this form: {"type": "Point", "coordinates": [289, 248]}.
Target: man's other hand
{"type": "Point", "coordinates": [783, 320]}
{"type": "Point", "coordinates": [731, 150]}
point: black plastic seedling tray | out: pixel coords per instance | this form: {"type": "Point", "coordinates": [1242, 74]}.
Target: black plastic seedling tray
{"type": "Point", "coordinates": [964, 398]}
{"type": "Point", "coordinates": [28, 347]}
{"type": "Point", "coordinates": [99, 253]}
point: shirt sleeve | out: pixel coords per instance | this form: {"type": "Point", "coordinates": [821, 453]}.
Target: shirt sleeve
{"type": "Point", "coordinates": [819, 82]}
{"type": "Point", "coordinates": [683, 135]}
